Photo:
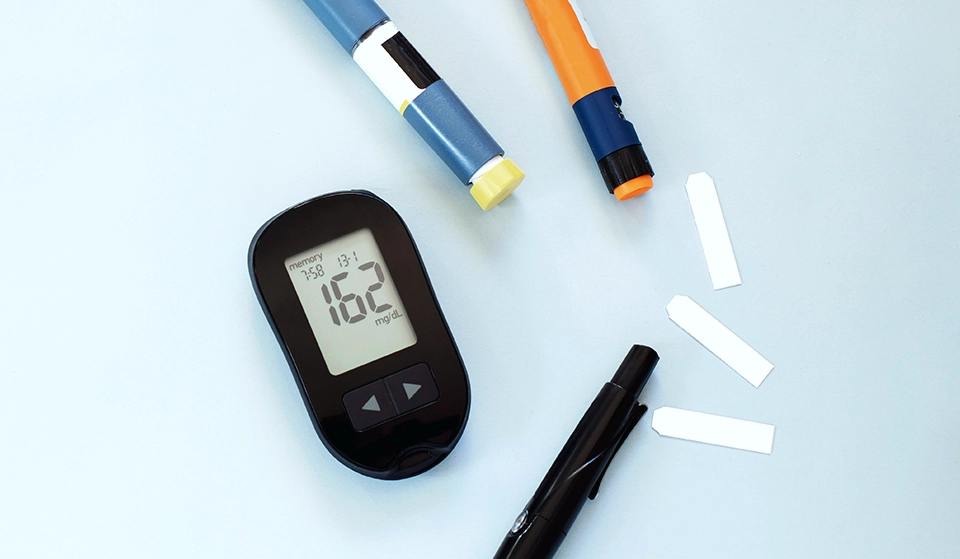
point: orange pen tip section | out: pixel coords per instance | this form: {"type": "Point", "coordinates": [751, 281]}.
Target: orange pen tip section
{"type": "Point", "coordinates": [633, 188]}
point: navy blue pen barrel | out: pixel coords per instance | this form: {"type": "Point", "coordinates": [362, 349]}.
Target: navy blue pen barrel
{"type": "Point", "coordinates": [603, 122]}
{"type": "Point", "coordinates": [612, 138]}
{"type": "Point", "coordinates": [448, 126]}
{"type": "Point", "coordinates": [348, 20]}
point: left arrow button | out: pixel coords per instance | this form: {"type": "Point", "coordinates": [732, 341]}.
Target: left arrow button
{"type": "Point", "coordinates": [372, 404]}
{"type": "Point", "coordinates": [369, 405]}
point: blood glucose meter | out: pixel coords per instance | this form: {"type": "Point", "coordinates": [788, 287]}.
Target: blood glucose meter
{"type": "Point", "coordinates": [342, 285]}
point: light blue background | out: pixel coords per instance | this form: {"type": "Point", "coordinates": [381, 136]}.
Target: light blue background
{"type": "Point", "coordinates": [146, 410]}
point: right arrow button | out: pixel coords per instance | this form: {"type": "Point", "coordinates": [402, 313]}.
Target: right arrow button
{"type": "Point", "coordinates": [413, 387]}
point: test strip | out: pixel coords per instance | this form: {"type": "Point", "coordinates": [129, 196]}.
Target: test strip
{"type": "Point", "coordinates": [714, 237]}
{"type": "Point", "coordinates": [719, 339]}
{"type": "Point", "coordinates": [713, 429]}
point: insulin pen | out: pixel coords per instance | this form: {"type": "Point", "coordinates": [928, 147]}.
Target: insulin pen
{"type": "Point", "coordinates": [596, 102]}
{"type": "Point", "coordinates": [424, 100]}
{"type": "Point", "coordinates": [576, 473]}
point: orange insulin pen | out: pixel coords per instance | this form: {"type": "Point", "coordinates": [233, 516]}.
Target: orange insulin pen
{"type": "Point", "coordinates": [594, 97]}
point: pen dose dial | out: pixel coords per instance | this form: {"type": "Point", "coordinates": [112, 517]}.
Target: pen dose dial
{"type": "Point", "coordinates": [342, 284]}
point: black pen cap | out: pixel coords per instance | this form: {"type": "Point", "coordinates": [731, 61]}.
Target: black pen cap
{"type": "Point", "coordinates": [636, 369]}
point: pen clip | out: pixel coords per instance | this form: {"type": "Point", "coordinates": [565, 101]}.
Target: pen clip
{"type": "Point", "coordinates": [631, 422]}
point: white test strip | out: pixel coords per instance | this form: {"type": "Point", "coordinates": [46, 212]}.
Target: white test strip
{"type": "Point", "coordinates": [713, 429]}
{"type": "Point", "coordinates": [719, 339]}
{"type": "Point", "coordinates": [714, 237]}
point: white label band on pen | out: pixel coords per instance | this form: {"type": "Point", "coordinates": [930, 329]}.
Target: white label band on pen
{"type": "Point", "coordinates": [389, 77]}
{"type": "Point", "coordinates": [719, 339]}
{"type": "Point", "coordinates": [713, 429]}
{"type": "Point", "coordinates": [714, 237]}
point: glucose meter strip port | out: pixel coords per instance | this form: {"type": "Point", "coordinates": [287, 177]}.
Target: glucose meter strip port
{"type": "Point", "coordinates": [713, 429]}
{"type": "Point", "coordinates": [719, 339]}
{"type": "Point", "coordinates": [714, 237]}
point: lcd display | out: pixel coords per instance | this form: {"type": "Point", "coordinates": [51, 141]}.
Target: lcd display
{"type": "Point", "coordinates": [350, 301]}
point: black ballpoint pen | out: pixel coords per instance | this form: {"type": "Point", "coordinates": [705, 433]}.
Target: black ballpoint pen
{"type": "Point", "coordinates": [576, 473]}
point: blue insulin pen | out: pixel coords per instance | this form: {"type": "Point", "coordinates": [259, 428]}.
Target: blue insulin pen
{"type": "Point", "coordinates": [424, 100]}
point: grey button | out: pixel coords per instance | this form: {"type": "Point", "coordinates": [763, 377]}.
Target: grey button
{"type": "Point", "coordinates": [413, 387]}
{"type": "Point", "coordinates": [369, 405]}
{"type": "Point", "coordinates": [372, 404]}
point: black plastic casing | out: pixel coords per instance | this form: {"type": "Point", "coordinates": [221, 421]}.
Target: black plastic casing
{"type": "Point", "coordinates": [624, 165]}
{"type": "Point", "coordinates": [578, 470]}
{"type": "Point", "coordinates": [408, 444]}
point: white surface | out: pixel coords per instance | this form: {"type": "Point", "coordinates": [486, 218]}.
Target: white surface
{"type": "Point", "coordinates": [714, 238]}
{"type": "Point", "coordinates": [716, 337]}
{"type": "Point", "coordinates": [146, 409]}
{"type": "Point", "coordinates": [713, 429]}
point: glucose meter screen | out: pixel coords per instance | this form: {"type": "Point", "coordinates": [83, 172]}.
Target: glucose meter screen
{"type": "Point", "coordinates": [350, 301]}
